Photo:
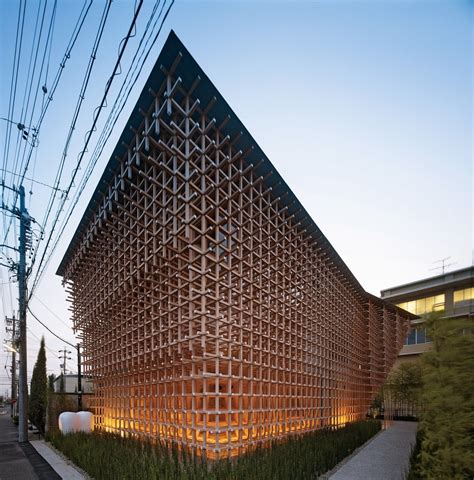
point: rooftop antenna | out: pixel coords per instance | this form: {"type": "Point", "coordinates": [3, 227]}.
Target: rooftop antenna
{"type": "Point", "coordinates": [443, 267]}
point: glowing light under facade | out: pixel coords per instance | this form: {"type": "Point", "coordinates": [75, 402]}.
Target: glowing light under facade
{"type": "Point", "coordinates": [214, 312]}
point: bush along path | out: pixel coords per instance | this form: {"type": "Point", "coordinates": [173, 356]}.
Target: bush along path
{"type": "Point", "coordinates": [107, 456]}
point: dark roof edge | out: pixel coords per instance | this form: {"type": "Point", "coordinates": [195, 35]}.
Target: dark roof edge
{"type": "Point", "coordinates": [381, 302]}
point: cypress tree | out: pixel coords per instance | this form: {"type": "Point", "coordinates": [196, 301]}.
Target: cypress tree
{"type": "Point", "coordinates": [39, 391]}
{"type": "Point", "coordinates": [51, 379]}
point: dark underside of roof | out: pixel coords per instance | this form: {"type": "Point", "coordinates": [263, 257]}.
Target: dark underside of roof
{"type": "Point", "coordinates": [188, 70]}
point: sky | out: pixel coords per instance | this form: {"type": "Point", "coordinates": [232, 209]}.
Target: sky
{"type": "Point", "coordinates": [365, 109]}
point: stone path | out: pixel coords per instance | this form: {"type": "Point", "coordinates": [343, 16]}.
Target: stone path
{"type": "Point", "coordinates": [385, 457]}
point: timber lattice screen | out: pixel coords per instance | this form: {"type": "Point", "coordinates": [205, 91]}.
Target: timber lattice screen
{"type": "Point", "coordinates": [209, 316]}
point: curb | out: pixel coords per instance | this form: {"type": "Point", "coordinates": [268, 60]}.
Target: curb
{"type": "Point", "coordinates": [60, 464]}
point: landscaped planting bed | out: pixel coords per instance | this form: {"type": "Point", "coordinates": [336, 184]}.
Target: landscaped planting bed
{"type": "Point", "coordinates": [106, 456]}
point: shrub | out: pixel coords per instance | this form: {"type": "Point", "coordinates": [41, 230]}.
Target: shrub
{"type": "Point", "coordinates": [447, 421]}
{"type": "Point", "coordinates": [414, 473]}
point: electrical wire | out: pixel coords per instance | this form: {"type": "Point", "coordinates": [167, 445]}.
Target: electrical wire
{"type": "Point", "coordinates": [29, 81]}
{"type": "Point", "coordinates": [50, 34]}
{"type": "Point", "coordinates": [72, 41]}
{"type": "Point", "coordinates": [11, 101]}
{"type": "Point", "coordinates": [50, 350]}
{"type": "Point", "coordinates": [94, 159]}
{"type": "Point", "coordinates": [38, 182]}
{"type": "Point", "coordinates": [123, 45]}
{"type": "Point", "coordinates": [124, 83]}
{"type": "Point", "coordinates": [50, 311]}
{"type": "Point", "coordinates": [49, 330]}
{"type": "Point", "coordinates": [81, 97]}
{"type": "Point", "coordinates": [34, 143]}
{"type": "Point", "coordinates": [14, 80]}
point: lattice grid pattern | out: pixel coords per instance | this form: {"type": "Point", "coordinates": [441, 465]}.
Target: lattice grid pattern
{"type": "Point", "coordinates": [210, 317]}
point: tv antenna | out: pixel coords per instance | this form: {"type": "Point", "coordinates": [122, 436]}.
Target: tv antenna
{"type": "Point", "coordinates": [444, 265]}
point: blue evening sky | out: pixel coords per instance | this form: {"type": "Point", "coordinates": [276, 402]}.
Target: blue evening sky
{"type": "Point", "coordinates": [365, 108]}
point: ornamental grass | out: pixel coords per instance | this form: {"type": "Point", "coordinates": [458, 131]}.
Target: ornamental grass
{"type": "Point", "coordinates": [108, 456]}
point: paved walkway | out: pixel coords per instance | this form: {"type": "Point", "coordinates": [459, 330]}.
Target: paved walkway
{"type": "Point", "coordinates": [14, 464]}
{"type": "Point", "coordinates": [386, 457]}
{"type": "Point", "coordinates": [32, 460]}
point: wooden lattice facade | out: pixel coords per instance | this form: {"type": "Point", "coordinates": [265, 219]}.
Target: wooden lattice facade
{"type": "Point", "coordinates": [213, 311]}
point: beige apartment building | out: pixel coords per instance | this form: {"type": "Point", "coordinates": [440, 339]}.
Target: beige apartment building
{"type": "Point", "coordinates": [451, 293]}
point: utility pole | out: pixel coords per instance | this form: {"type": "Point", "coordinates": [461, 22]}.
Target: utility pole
{"type": "Point", "coordinates": [79, 379]}
{"type": "Point", "coordinates": [24, 244]}
{"type": "Point", "coordinates": [23, 382]}
{"type": "Point", "coordinates": [65, 357]}
{"type": "Point", "coordinates": [13, 330]}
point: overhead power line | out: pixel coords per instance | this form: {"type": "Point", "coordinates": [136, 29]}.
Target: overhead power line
{"type": "Point", "coordinates": [14, 80]}
{"type": "Point", "coordinates": [37, 182]}
{"type": "Point", "coordinates": [81, 97]}
{"type": "Point", "coordinates": [51, 311]}
{"type": "Point", "coordinates": [30, 77]}
{"type": "Point", "coordinates": [11, 100]}
{"type": "Point", "coordinates": [49, 330]}
{"type": "Point", "coordinates": [95, 157]}
{"type": "Point", "coordinates": [35, 132]}
{"type": "Point", "coordinates": [113, 113]}
{"type": "Point", "coordinates": [123, 45]}
{"type": "Point", "coordinates": [72, 41]}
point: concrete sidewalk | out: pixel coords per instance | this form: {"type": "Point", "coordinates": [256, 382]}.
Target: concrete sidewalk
{"type": "Point", "coordinates": [32, 460]}
{"type": "Point", "coordinates": [385, 457]}
{"type": "Point", "coordinates": [14, 462]}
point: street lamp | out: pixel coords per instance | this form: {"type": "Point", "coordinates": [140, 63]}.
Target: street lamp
{"type": "Point", "coordinates": [10, 348]}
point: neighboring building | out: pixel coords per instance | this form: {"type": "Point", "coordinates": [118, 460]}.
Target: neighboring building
{"type": "Point", "coordinates": [214, 312]}
{"type": "Point", "coordinates": [451, 293]}
{"type": "Point", "coordinates": [70, 384]}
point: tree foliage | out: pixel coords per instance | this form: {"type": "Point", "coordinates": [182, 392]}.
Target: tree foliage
{"type": "Point", "coordinates": [404, 387]}
{"type": "Point", "coordinates": [39, 391]}
{"type": "Point", "coordinates": [447, 423]}
{"type": "Point", "coordinates": [51, 379]}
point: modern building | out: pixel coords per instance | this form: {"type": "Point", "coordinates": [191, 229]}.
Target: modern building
{"type": "Point", "coordinates": [70, 383]}
{"type": "Point", "coordinates": [451, 293]}
{"type": "Point", "coordinates": [213, 310]}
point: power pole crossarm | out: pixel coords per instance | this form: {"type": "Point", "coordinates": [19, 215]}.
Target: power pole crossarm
{"type": "Point", "coordinates": [64, 356]}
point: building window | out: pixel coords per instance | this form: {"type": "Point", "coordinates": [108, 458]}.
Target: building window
{"type": "Point", "coordinates": [464, 295]}
{"type": "Point", "coordinates": [417, 336]}
{"type": "Point", "coordinates": [424, 305]}
{"type": "Point", "coordinates": [421, 335]}
{"type": "Point", "coordinates": [411, 339]}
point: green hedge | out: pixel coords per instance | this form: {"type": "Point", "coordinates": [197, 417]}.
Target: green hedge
{"type": "Point", "coordinates": [107, 456]}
